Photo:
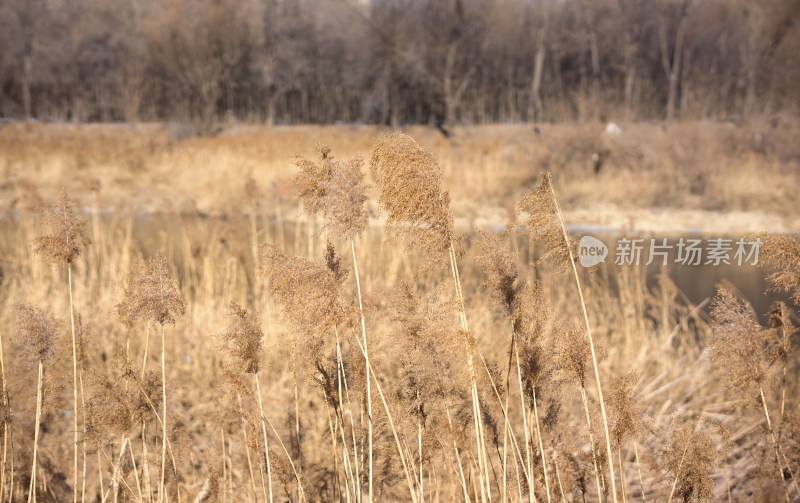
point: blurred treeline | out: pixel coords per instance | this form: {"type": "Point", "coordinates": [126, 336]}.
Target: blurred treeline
{"type": "Point", "coordinates": [398, 61]}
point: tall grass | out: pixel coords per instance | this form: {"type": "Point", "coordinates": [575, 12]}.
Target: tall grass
{"type": "Point", "coordinates": [438, 367]}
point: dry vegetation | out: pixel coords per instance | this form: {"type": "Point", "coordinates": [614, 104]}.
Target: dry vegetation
{"type": "Point", "coordinates": [707, 175]}
{"type": "Point", "coordinates": [244, 356]}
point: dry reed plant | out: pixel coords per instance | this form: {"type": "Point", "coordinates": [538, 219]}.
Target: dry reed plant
{"type": "Point", "coordinates": [337, 190]}
{"type": "Point", "coordinates": [242, 343]}
{"type": "Point", "coordinates": [418, 212]}
{"type": "Point", "coordinates": [545, 223]}
{"type": "Point", "coordinates": [63, 246]}
{"type": "Point", "coordinates": [37, 329]}
{"type": "Point", "coordinates": [743, 351]}
{"type": "Point", "coordinates": [151, 295]}
{"type": "Point", "coordinates": [329, 340]}
{"type": "Point", "coordinates": [690, 457]}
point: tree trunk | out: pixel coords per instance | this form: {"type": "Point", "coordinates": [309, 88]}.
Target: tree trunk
{"type": "Point", "coordinates": [27, 70]}
{"type": "Point", "coordinates": [536, 85]}
{"type": "Point", "coordinates": [673, 69]}
{"type": "Point", "coordinates": [449, 92]}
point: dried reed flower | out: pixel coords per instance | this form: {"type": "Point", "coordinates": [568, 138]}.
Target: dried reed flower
{"type": "Point", "coordinates": [151, 294]}
{"type": "Point", "coordinates": [37, 328]}
{"type": "Point", "coordinates": [780, 320]}
{"type": "Point", "coordinates": [242, 339]}
{"type": "Point", "coordinates": [573, 352]}
{"type": "Point", "coordinates": [309, 294]}
{"type": "Point", "coordinates": [428, 349]}
{"type": "Point", "coordinates": [784, 252]}
{"type": "Point", "coordinates": [334, 263]}
{"type": "Point", "coordinates": [409, 181]}
{"type": "Point", "coordinates": [544, 225]}
{"type": "Point", "coordinates": [627, 416]}
{"type": "Point", "coordinates": [690, 458]}
{"type": "Point", "coordinates": [337, 190]}
{"type": "Point", "coordinates": [500, 265]}
{"type": "Point", "coordinates": [741, 349]}
{"type": "Point", "coordinates": [345, 194]}
{"type": "Point", "coordinates": [68, 236]}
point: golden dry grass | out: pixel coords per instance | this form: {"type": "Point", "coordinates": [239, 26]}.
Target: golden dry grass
{"type": "Point", "coordinates": [677, 430]}
{"type": "Point", "coordinates": [652, 176]}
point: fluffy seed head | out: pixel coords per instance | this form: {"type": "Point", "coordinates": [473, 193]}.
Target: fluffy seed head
{"type": "Point", "coordinates": [242, 339]}
{"type": "Point", "coordinates": [68, 237]}
{"type": "Point", "coordinates": [37, 328]}
{"type": "Point", "coordinates": [573, 352]}
{"type": "Point", "coordinates": [500, 265]}
{"type": "Point", "coordinates": [151, 294]}
{"type": "Point", "coordinates": [627, 417]}
{"type": "Point", "coordinates": [741, 349]}
{"type": "Point", "coordinates": [309, 294]}
{"type": "Point", "coordinates": [544, 225]}
{"type": "Point", "coordinates": [428, 349]}
{"type": "Point", "coordinates": [410, 192]}
{"type": "Point", "coordinates": [691, 456]}
{"type": "Point", "coordinates": [337, 190]}
{"type": "Point", "coordinates": [784, 253]}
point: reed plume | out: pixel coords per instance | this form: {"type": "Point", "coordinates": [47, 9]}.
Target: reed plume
{"type": "Point", "coordinates": [68, 232]}
{"type": "Point", "coordinates": [152, 295]}
{"type": "Point", "coordinates": [780, 320]}
{"type": "Point", "coordinates": [37, 330]}
{"type": "Point", "coordinates": [418, 211]}
{"type": "Point", "coordinates": [309, 294]}
{"type": "Point", "coordinates": [242, 343]}
{"type": "Point", "coordinates": [410, 192]}
{"type": "Point", "coordinates": [545, 223]}
{"type": "Point", "coordinates": [743, 352]}
{"type": "Point", "coordinates": [691, 455]}
{"type": "Point", "coordinates": [783, 252]}
{"type": "Point", "coordinates": [542, 219]}
{"type": "Point", "coordinates": [741, 349]}
{"type": "Point", "coordinates": [63, 246]}
{"type": "Point", "coordinates": [242, 340]}
{"type": "Point", "coordinates": [627, 416]}
{"type": "Point", "coordinates": [337, 190]}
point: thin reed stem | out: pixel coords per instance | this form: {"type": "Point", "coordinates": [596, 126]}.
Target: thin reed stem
{"type": "Point", "coordinates": [591, 443]}
{"type": "Point", "coordinates": [164, 415]}
{"type": "Point", "coordinates": [32, 490]}
{"type": "Point", "coordinates": [541, 445]}
{"type": "Point", "coordinates": [483, 470]}
{"type": "Point", "coordinates": [146, 464]}
{"type": "Point", "coordinates": [514, 443]}
{"type": "Point", "coordinates": [285, 451]}
{"type": "Point", "coordinates": [531, 494]}
{"type": "Point", "coordinates": [83, 444]}
{"type": "Point", "coordinates": [777, 448]}
{"type": "Point", "coordinates": [558, 478]}
{"type": "Point", "coordinates": [678, 474]}
{"type": "Point", "coordinates": [591, 346]}
{"type": "Point", "coordinates": [247, 450]}
{"type": "Point", "coordinates": [639, 468]}
{"type": "Point", "coordinates": [342, 381]}
{"type": "Point", "coordinates": [367, 366]}
{"type": "Point", "coordinates": [7, 413]}
{"type": "Point", "coordinates": [622, 475]}
{"type": "Point", "coordinates": [74, 390]}
{"type": "Point", "coordinates": [266, 442]}
{"type": "Point", "coordinates": [409, 479]}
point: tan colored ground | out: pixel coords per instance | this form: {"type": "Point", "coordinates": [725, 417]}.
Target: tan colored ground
{"type": "Point", "coordinates": [710, 176]}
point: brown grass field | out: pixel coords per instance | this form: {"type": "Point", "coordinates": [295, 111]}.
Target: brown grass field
{"type": "Point", "coordinates": [213, 319]}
